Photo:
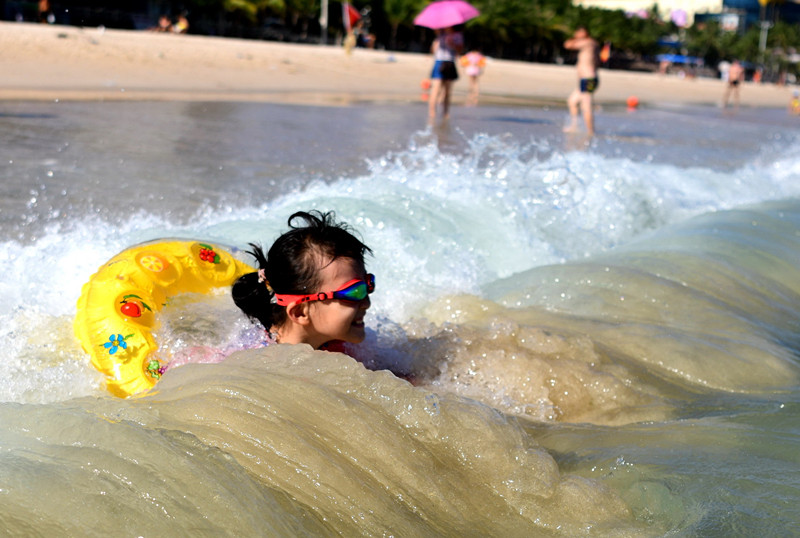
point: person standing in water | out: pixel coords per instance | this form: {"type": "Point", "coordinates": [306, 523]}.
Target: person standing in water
{"type": "Point", "coordinates": [735, 78]}
{"type": "Point", "coordinates": [473, 63]}
{"type": "Point", "coordinates": [312, 286]}
{"type": "Point", "coordinates": [445, 48]}
{"type": "Point", "coordinates": [581, 98]}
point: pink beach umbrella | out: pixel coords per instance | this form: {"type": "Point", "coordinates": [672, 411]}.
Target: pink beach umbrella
{"type": "Point", "coordinates": [446, 13]}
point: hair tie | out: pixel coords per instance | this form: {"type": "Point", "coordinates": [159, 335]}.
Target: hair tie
{"type": "Point", "coordinates": [262, 279]}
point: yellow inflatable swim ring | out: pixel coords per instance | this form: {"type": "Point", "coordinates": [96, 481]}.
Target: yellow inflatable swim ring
{"type": "Point", "coordinates": [117, 308]}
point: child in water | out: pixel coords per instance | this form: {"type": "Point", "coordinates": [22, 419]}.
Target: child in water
{"type": "Point", "coordinates": [312, 286]}
{"type": "Point", "coordinates": [473, 63]}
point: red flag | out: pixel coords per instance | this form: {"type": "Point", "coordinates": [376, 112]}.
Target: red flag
{"type": "Point", "coordinates": [350, 16]}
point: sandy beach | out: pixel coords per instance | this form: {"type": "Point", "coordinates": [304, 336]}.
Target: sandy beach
{"type": "Point", "coordinates": [42, 62]}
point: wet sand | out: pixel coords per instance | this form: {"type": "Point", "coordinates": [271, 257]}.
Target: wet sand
{"type": "Point", "coordinates": [43, 62]}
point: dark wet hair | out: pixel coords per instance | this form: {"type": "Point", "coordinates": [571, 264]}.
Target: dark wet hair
{"type": "Point", "coordinates": [293, 263]}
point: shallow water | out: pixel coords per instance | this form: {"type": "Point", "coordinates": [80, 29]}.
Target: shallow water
{"type": "Point", "coordinates": [603, 335]}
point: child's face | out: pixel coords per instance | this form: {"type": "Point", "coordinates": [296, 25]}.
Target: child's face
{"type": "Point", "coordinates": [335, 319]}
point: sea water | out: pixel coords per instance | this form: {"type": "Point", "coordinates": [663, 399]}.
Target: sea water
{"type": "Point", "coordinates": [602, 334]}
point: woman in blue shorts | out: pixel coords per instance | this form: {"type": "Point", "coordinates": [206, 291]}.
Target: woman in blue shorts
{"type": "Point", "coordinates": [445, 48]}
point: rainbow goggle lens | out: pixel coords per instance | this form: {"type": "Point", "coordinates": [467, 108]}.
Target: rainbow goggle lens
{"type": "Point", "coordinates": [353, 291]}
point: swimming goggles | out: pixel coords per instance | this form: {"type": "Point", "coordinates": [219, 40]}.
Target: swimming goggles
{"type": "Point", "coordinates": [355, 290]}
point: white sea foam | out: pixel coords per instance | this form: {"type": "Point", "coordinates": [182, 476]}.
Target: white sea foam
{"type": "Point", "coordinates": [439, 223]}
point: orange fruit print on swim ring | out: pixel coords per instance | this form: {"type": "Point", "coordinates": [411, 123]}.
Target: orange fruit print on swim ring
{"type": "Point", "coordinates": [153, 263]}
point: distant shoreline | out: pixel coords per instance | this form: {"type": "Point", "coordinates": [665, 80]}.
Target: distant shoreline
{"type": "Point", "coordinates": [51, 62]}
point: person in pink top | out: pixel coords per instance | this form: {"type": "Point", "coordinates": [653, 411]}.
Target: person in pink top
{"type": "Point", "coordinates": [473, 63]}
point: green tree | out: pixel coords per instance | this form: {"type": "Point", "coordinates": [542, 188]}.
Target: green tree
{"type": "Point", "coordinates": [252, 8]}
{"type": "Point", "coordinates": [498, 21]}
{"type": "Point", "coordinates": [525, 26]}
{"type": "Point", "coordinates": [401, 13]}
{"type": "Point", "coordinates": [247, 9]}
{"type": "Point", "coordinates": [703, 40]}
{"type": "Point", "coordinates": [528, 29]}
{"type": "Point", "coordinates": [636, 36]}
{"type": "Point", "coordinates": [546, 24]}
{"type": "Point", "coordinates": [301, 12]}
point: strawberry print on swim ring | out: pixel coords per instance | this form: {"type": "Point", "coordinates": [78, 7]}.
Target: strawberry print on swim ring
{"type": "Point", "coordinates": [207, 254]}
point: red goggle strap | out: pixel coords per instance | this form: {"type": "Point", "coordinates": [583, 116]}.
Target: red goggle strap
{"type": "Point", "coordinates": [285, 300]}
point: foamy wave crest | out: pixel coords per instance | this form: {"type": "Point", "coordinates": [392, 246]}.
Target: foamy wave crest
{"type": "Point", "coordinates": [440, 224]}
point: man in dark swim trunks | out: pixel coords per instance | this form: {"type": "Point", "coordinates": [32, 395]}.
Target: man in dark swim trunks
{"type": "Point", "coordinates": [735, 77]}
{"type": "Point", "coordinates": [587, 75]}
{"type": "Point", "coordinates": [589, 85]}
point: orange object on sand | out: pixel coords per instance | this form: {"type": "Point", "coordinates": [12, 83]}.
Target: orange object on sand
{"type": "Point", "coordinates": [426, 86]}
